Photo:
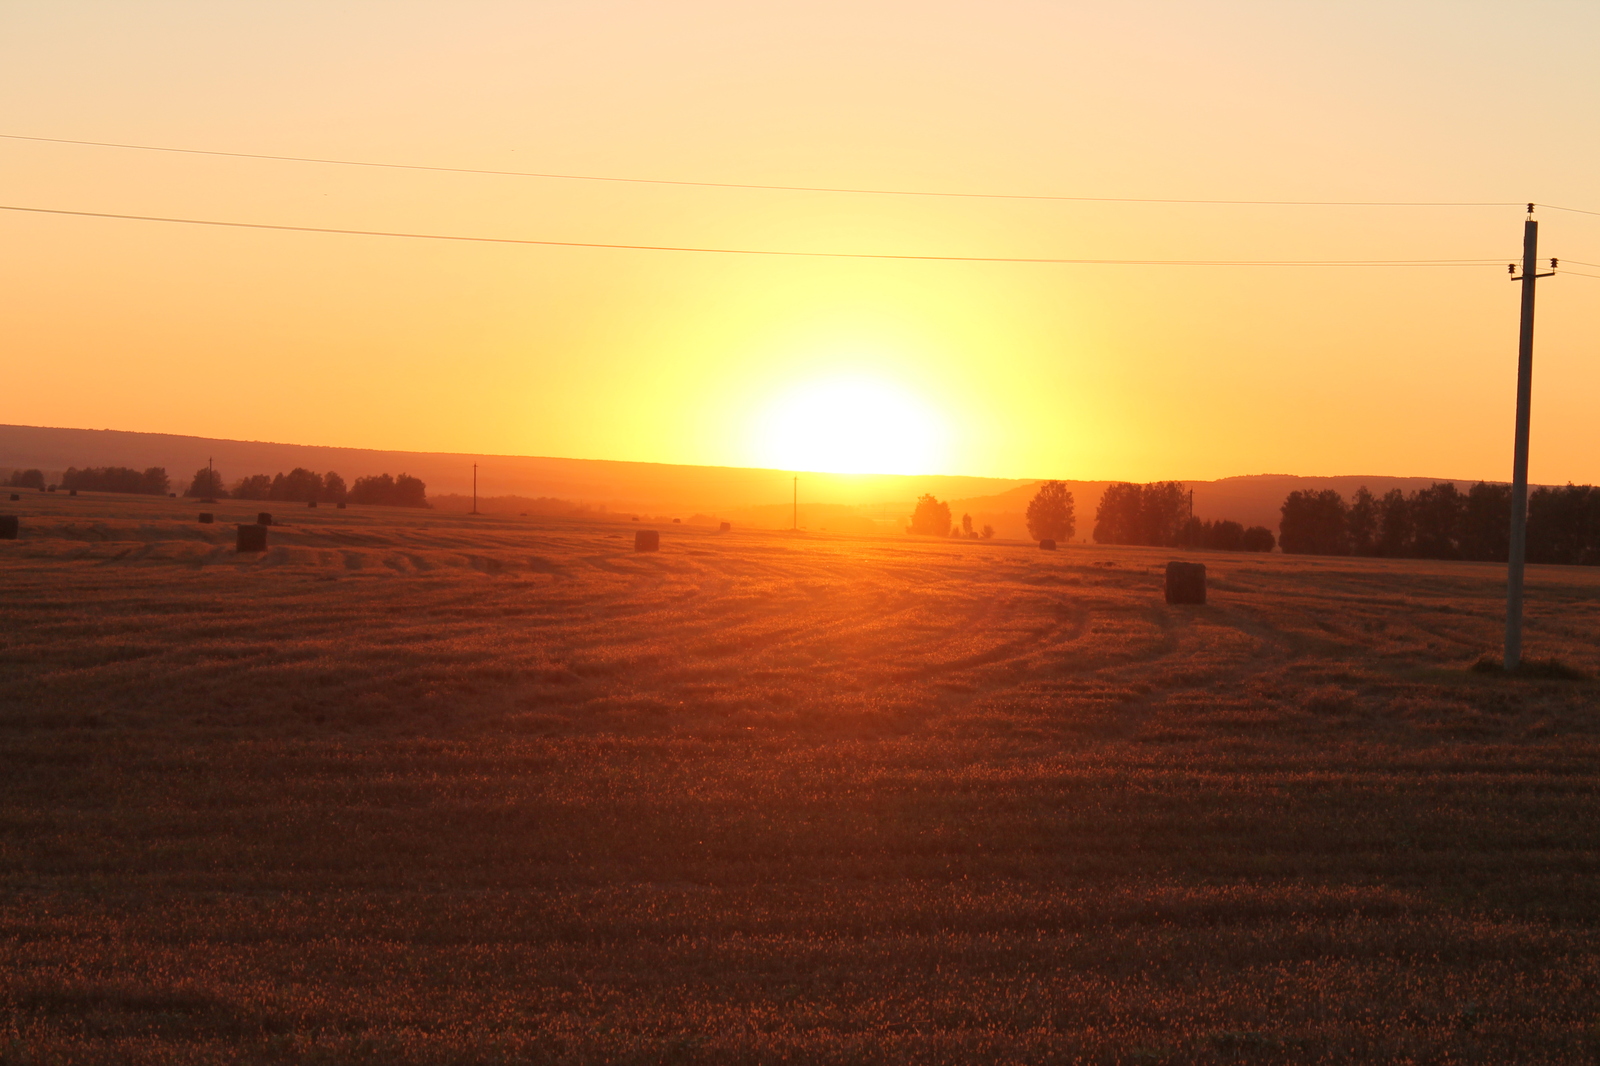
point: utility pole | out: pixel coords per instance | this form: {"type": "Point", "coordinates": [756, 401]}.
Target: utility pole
{"type": "Point", "coordinates": [797, 503]}
{"type": "Point", "coordinates": [1519, 452]}
{"type": "Point", "coordinates": [474, 488]}
{"type": "Point", "coordinates": [211, 483]}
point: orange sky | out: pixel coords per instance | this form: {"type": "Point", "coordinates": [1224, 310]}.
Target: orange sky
{"type": "Point", "coordinates": [992, 369]}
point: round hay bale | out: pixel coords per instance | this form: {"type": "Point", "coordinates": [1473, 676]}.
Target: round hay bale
{"type": "Point", "coordinates": [15, 497]}
{"type": "Point", "coordinates": [207, 518]}
{"type": "Point", "coordinates": [646, 540]}
{"type": "Point", "coordinates": [252, 539]}
{"type": "Point", "coordinates": [1047, 544]}
{"type": "Point", "coordinates": [9, 527]}
{"type": "Point", "coordinates": [1186, 583]}
{"type": "Point", "coordinates": [311, 503]}
{"type": "Point", "coordinates": [341, 505]}
{"type": "Point", "coordinates": [263, 519]}
{"type": "Point", "coordinates": [72, 492]}
{"type": "Point", "coordinates": [725, 527]}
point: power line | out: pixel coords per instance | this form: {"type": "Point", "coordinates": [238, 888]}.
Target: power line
{"type": "Point", "coordinates": [764, 188]}
{"type": "Point", "coordinates": [1574, 210]}
{"type": "Point", "coordinates": [771, 251]}
{"type": "Point", "coordinates": [1579, 274]}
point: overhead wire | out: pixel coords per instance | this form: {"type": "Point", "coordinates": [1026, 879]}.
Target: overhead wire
{"type": "Point", "coordinates": [860, 191]}
{"type": "Point", "coordinates": [764, 251]}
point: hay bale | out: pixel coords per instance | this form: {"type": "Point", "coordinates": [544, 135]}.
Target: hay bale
{"type": "Point", "coordinates": [341, 505]}
{"type": "Point", "coordinates": [15, 497]}
{"type": "Point", "coordinates": [724, 527]}
{"type": "Point", "coordinates": [1047, 544]}
{"type": "Point", "coordinates": [9, 527]}
{"type": "Point", "coordinates": [263, 519]}
{"type": "Point", "coordinates": [72, 492]}
{"type": "Point", "coordinates": [646, 540]}
{"type": "Point", "coordinates": [206, 518]}
{"type": "Point", "coordinates": [252, 539]}
{"type": "Point", "coordinates": [1186, 583]}
{"type": "Point", "coordinates": [311, 503]}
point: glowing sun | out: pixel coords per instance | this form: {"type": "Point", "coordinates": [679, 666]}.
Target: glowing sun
{"type": "Point", "coordinates": [851, 426]}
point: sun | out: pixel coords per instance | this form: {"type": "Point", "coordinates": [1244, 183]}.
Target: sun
{"type": "Point", "coordinates": [851, 425]}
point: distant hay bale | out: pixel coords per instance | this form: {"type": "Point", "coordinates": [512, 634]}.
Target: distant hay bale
{"type": "Point", "coordinates": [263, 519]}
{"type": "Point", "coordinates": [646, 540]}
{"type": "Point", "coordinates": [72, 492]}
{"type": "Point", "coordinates": [1047, 544]}
{"type": "Point", "coordinates": [1186, 583]}
{"type": "Point", "coordinates": [15, 497]}
{"type": "Point", "coordinates": [311, 503]}
{"type": "Point", "coordinates": [9, 527]}
{"type": "Point", "coordinates": [207, 518]}
{"type": "Point", "coordinates": [723, 528]}
{"type": "Point", "coordinates": [252, 539]}
{"type": "Point", "coordinates": [341, 505]}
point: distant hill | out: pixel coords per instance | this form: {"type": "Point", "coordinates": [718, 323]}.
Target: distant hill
{"type": "Point", "coordinates": [747, 496]}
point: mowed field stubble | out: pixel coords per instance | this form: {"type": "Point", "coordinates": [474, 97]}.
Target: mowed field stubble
{"type": "Point", "coordinates": [418, 788]}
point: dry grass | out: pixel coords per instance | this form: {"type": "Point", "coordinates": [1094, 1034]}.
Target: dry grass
{"type": "Point", "coordinates": [433, 789]}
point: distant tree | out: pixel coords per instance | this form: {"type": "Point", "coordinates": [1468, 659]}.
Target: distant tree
{"type": "Point", "coordinates": [254, 487]}
{"type": "Point", "coordinates": [1394, 525]}
{"type": "Point", "coordinates": [988, 533]}
{"type": "Point", "coordinates": [333, 488]}
{"type": "Point", "coordinates": [1564, 525]}
{"type": "Point", "coordinates": [966, 524]}
{"type": "Point", "coordinates": [1486, 523]}
{"type": "Point", "coordinates": [1052, 513]}
{"type": "Point", "coordinates": [207, 484]}
{"type": "Point", "coordinates": [1225, 536]}
{"type": "Point", "coordinates": [297, 486]}
{"type": "Point", "coordinates": [1361, 522]}
{"type": "Point", "coordinates": [1163, 513]}
{"type": "Point", "coordinates": [27, 479]}
{"type": "Point", "coordinates": [1257, 539]}
{"type": "Point", "coordinates": [1116, 520]}
{"type": "Point", "coordinates": [402, 491]}
{"type": "Point", "coordinates": [1313, 523]}
{"type": "Point", "coordinates": [931, 517]}
{"type": "Point", "coordinates": [1436, 514]}
{"type": "Point", "coordinates": [151, 482]}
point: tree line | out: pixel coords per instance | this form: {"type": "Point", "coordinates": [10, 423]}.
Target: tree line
{"type": "Point", "coordinates": [151, 482]}
{"type": "Point", "coordinates": [307, 486]}
{"type": "Point", "coordinates": [1161, 515]}
{"type": "Point", "coordinates": [1441, 522]}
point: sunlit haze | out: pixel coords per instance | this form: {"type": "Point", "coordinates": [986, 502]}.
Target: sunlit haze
{"type": "Point", "coordinates": [986, 368]}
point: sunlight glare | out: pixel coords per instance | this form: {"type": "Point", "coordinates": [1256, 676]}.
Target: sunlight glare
{"type": "Point", "coordinates": [851, 426]}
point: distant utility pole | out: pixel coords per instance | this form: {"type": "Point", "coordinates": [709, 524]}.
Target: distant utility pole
{"type": "Point", "coordinates": [1519, 452]}
{"type": "Point", "coordinates": [474, 488]}
{"type": "Point", "coordinates": [796, 526]}
{"type": "Point", "coordinates": [211, 483]}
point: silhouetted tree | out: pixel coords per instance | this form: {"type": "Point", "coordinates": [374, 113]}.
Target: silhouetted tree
{"type": "Point", "coordinates": [1361, 523]}
{"type": "Point", "coordinates": [1564, 525]}
{"type": "Point", "coordinates": [1394, 525]}
{"type": "Point", "coordinates": [297, 486]}
{"type": "Point", "coordinates": [27, 479]}
{"type": "Point", "coordinates": [151, 482]}
{"type": "Point", "coordinates": [207, 484]}
{"type": "Point", "coordinates": [1486, 523]}
{"type": "Point", "coordinates": [254, 487]}
{"type": "Point", "coordinates": [1257, 539]}
{"type": "Point", "coordinates": [1163, 511]}
{"type": "Point", "coordinates": [988, 533]}
{"type": "Point", "coordinates": [1436, 514]}
{"type": "Point", "coordinates": [407, 491]}
{"type": "Point", "coordinates": [966, 524]}
{"type": "Point", "coordinates": [1314, 523]}
{"type": "Point", "coordinates": [931, 517]}
{"type": "Point", "coordinates": [1116, 520]}
{"type": "Point", "coordinates": [333, 488]}
{"type": "Point", "coordinates": [1226, 536]}
{"type": "Point", "coordinates": [1051, 513]}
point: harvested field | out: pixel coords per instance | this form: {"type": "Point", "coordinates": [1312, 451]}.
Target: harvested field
{"type": "Point", "coordinates": [422, 788]}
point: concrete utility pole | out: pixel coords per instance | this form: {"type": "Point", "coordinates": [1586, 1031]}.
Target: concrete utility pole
{"type": "Point", "coordinates": [1519, 452]}
{"type": "Point", "coordinates": [797, 503]}
{"type": "Point", "coordinates": [474, 488]}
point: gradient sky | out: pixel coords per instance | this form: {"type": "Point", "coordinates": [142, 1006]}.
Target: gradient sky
{"type": "Point", "coordinates": [991, 369]}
